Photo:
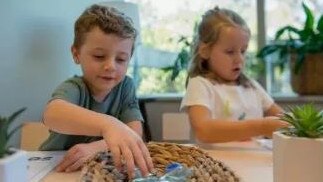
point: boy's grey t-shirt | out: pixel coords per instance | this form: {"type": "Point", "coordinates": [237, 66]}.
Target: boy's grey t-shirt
{"type": "Point", "coordinates": [121, 103]}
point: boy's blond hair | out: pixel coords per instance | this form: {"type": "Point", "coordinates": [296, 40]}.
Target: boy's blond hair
{"type": "Point", "coordinates": [212, 23]}
{"type": "Point", "coordinates": [108, 19]}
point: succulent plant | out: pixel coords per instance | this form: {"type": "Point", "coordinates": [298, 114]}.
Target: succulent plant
{"type": "Point", "coordinates": [5, 134]}
{"type": "Point", "coordinates": [306, 121]}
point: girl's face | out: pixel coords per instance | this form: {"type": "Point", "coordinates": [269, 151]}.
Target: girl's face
{"type": "Point", "coordinates": [227, 56]}
{"type": "Point", "coordinates": [104, 60]}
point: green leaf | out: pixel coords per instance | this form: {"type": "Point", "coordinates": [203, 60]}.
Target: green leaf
{"type": "Point", "coordinates": [306, 35]}
{"type": "Point", "coordinates": [182, 60]}
{"type": "Point", "coordinates": [268, 50]}
{"type": "Point", "coordinates": [320, 25]}
{"type": "Point", "coordinates": [309, 23]}
{"type": "Point", "coordinates": [320, 128]}
{"type": "Point", "coordinates": [4, 130]}
{"type": "Point", "coordinates": [168, 68]}
{"type": "Point", "coordinates": [15, 114]}
{"type": "Point", "coordinates": [299, 62]}
{"type": "Point", "coordinates": [306, 120]}
{"type": "Point", "coordinates": [13, 131]}
{"type": "Point", "coordinates": [289, 29]}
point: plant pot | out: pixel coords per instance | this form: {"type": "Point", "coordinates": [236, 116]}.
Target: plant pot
{"type": "Point", "coordinates": [297, 159]}
{"type": "Point", "coordinates": [13, 168]}
{"type": "Point", "coordinates": [309, 79]}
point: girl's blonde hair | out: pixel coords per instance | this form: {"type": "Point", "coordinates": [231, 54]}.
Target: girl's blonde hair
{"type": "Point", "coordinates": [108, 19]}
{"type": "Point", "coordinates": [208, 31]}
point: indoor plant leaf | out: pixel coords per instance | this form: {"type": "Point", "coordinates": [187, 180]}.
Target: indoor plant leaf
{"type": "Point", "coordinates": [309, 23]}
{"type": "Point", "coordinates": [288, 29]}
{"type": "Point", "coordinates": [320, 25]}
{"type": "Point", "coordinates": [15, 114]}
{"type": "Point", "coordinates": [296, 48]}
{"type": "Point", "coordinates": [5, 123]}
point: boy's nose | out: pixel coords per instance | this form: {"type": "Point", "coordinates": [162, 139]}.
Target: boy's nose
{"type": "Point", "coordinates": [109, 64]}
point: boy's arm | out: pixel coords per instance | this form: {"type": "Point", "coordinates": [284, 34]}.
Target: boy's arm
{"type": "Point", "coordinates": [67, 118]}
{"type": "Point", "coordinates": [64, 117]}
{"type": "Point", "coordinates": [136, 126]}
{"type": "Point", "coordinates": [78, 154]}
{"type": "Point", "coordinates": [212, 131]}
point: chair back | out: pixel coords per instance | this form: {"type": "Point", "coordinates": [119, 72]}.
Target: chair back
{"type": "Point", "coordinates": [33, 134]}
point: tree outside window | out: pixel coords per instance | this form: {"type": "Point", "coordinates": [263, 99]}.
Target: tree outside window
{"type": "Point", "coordinates": [163, 23]}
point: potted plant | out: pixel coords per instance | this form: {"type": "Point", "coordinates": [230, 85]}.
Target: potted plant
{"type": "Point", "coordinates": [13, 163]}
{"type": "Point", "coordinates": [303, 49]}
{"type": "Point", "coordinates": [298, 150]}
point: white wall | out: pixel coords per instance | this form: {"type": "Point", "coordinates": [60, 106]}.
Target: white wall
{"type": "Point", "coordinates": [35, 39]}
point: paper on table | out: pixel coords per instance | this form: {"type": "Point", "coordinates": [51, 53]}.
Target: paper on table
{"type": "Point", "coordinates": [40, 163]}
{"type": "Point", "coordinates": [265, 143]}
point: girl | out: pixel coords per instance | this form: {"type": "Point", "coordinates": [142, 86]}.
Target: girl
{"type": "Point", "coordinates": [222, 103]}
{"type": "Point", "coordinates": [98, 110]}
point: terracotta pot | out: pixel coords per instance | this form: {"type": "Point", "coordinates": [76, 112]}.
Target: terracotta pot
{"type": "Point", "coordinates": [309, 79]}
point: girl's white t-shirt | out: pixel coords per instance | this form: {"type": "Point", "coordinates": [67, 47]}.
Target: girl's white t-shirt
{"type": "Point", "coordinates": [227, 101]}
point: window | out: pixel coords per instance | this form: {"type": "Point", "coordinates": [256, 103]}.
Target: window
{"type": "Point", "coordinates": [163, 22]}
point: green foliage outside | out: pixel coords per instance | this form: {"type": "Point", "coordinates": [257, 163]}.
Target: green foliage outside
{"type": "Point", "coordinates": [181, 63]}
{"type": "Point", "coordinates": [172, 32]}
{"type": "Point", "coordinates": [159, 81]}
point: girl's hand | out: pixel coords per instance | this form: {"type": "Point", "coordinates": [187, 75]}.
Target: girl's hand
{"type": "Point", "coordinates": [271, 124]}
{"type": "Point", "coordinates": [126, 145]}
{"type": "Point", "coordinates": [77, 155]}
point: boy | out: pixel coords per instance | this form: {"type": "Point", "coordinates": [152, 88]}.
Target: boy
{"type": "Point", "coordinates": [102, 101]}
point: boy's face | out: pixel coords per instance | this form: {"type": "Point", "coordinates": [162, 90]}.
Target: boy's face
{"type": "Point", "coordinates": [104, 60]}
{"type": "Point", "coordinates": [226, 57]}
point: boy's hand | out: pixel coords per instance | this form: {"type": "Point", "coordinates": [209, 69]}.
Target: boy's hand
{"type": "Point", "coordinates": [76, 156]}
{"type": "Point", "coordinates": [125, 144]}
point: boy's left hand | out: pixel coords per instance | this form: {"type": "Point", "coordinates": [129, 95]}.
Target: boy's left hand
{"type": "Point", "coordinates": [76, 156]}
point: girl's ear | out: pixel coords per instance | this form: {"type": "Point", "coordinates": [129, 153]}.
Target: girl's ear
{"type": "Point", "coordinates": [75, 54]}
{"type": "Point", "coordinates": [204, 51]}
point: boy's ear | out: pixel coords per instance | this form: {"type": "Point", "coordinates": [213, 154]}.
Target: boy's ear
{"type": "Point", "coordinates": [204, 51]}
{"type": "Point", "coordinates": [75, 54]}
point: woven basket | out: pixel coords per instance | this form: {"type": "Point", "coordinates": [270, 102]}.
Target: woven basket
{"type": "Point", "coordinates": [204, 167]}
{"type": "Point", "coordinates": [309, 80]}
